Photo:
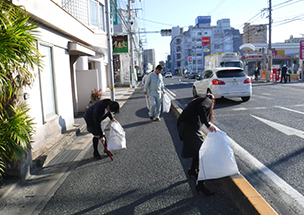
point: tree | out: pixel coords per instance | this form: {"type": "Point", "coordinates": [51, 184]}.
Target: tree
{"type": "Point", "coordinates": [18, 58]}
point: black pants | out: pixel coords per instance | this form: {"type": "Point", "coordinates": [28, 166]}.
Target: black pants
{"type": "Point", "coordinates": [194, 165]}
{"type": "Point", "coordinates": [283, 76]}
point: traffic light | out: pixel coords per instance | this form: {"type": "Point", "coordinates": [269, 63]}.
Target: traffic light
{"type": "Point", "coordinates": [166, 32]}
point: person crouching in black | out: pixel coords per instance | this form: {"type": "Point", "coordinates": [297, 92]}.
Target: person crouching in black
{"type": "Point", "coordinates": [197, 113]}
{"type": "Point", "coordinates": [94, 115]}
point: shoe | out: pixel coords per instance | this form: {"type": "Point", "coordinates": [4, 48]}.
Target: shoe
{"type": "Point", "coordinates": [192, 173]}
{"type": "Point", "coordinates": [200, 187]}
{"type": "Point", "coordinates": [151, 117]}
{"type": "Point", "coordinates": [96, 155]}
{"type": "Point", "coordinates": [156, 119]}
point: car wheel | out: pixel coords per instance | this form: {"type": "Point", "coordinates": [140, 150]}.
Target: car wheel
{"type": "Point", "coordinates": [246, 98]}
{"type": "Point", "coordinates": [194, 92]}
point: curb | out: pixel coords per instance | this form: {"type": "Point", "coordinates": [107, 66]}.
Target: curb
{"type": "Point", "coordinates": [246, 198]}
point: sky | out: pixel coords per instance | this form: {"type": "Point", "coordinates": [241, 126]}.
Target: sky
{"type": "Point", "coordinates": [154, 15]}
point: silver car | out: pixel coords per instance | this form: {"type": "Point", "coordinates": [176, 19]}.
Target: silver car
{"type": "Point", "coordinates": [227, 82]}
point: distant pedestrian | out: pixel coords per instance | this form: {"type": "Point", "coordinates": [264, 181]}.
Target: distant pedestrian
{"type": "Point", "coordinates": [154, 87]}
{"type": "Point", "coordinates": [283, 74]}
{"type": "Point", "coordinates": [288, 73]}
{"type": "Point", "coordinates": [94, 115]}
{"type": "Point", "coordinates": [257, 73]}
{"type": "Point", "coordinates": [198, 112]}
{"type": "Point", "coordinates": [145, 77]}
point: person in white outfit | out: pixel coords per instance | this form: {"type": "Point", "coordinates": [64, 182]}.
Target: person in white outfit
{"type": "Point", "coordinates": [145, 77]}
{"type": "Point", "coordinates": [154, 86]}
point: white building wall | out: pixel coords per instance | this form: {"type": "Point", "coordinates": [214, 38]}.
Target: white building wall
{"type": "Point", "coordinates": [58, 28]}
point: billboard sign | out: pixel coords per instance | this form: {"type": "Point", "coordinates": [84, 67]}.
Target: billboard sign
{"type": "Point", "coordinates": [120, 44]}
{"type": "Point", "coordinates": [203, 19]}
{"type": "Point", "coordinates": [205, 41]}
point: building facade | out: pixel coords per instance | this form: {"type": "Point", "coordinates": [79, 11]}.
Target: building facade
{"type": "Point", "coordinates": [148, 59]}
{"type": "Point", "coordinates": [73, 39]}
{"type": "Point", "coordinates": [254, 33]}
{"type": "Point", "coordinates": [189, 48]}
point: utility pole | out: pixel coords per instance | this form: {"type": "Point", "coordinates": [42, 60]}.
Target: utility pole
{"type": "Point", "coordinates": [131, 44]}
{"type": "Point", "coordinates": [269, 44]}
{"type": "Point", "coordinates": [110, 55]}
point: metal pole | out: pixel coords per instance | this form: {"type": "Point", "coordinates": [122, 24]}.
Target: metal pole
{"type": "Point", "coordinates": [110, 55]}
{"type": "Point", "coordinates": [131, 46]}
{"type": "Point", "coordinates": [269, 44]}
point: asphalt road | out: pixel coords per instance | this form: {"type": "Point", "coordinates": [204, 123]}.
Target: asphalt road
{"type": "Point", "coordinates": [149, 177]}
{"type": "Point", "coordinates": [270, 128]}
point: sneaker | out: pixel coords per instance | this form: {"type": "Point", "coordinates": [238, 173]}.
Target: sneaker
{"type": "Point", "coordinates": [156, 119]}
{"type": "Point", "coordinates": [151, 117]}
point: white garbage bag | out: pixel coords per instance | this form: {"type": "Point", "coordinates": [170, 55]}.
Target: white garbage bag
{"type": "Point", "coordinates": [148, 102]}
{"type": "Point", "coordinates": [166, 103]}
{"type": "Point", "coordinates": [117, 139]}
{"type": "Point", "coordinates": [216, 157]}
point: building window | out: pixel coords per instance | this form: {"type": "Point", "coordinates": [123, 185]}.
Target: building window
{"type": "Point", "coordinates": [96, 15]}
{"type": "Point", "coordinates": [101, 17]}
{"type": "Point", "coordinates": [199, 33]}
{"type": "Point", "coordinates": [47, 83]}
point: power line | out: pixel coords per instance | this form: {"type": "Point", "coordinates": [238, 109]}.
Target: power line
{"type": "Point", "coordinates": [155, 22]}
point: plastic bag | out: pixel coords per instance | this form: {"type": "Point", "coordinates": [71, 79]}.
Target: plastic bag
{"type": "Point", "coordinates": [216, 157]}
{"type": "Point", "coordinates": [117, 139]}
{"type": "Point", "coordinates": [166, 103]}
{"type": "Point", "coordinates": [148, 102]}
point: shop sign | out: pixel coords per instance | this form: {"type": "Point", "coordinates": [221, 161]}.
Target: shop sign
{"type": "Point", "coordinates": [120, 44]}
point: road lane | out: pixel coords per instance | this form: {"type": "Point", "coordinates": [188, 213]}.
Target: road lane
{"type": "Point", "coordinates": [279, 152]}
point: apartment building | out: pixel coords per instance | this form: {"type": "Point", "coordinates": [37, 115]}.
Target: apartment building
{"type": "Point", "coordinates": [73, 39]}
{"type": "Point", "coordinates": [201, 40]}
{"type": "Point", "coordinates": [254, 33]}
{"type": "Point", "coordinates": [149, 59]}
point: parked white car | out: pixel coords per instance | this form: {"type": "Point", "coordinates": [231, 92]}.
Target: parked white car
{"type": "Point", "coordinates": [168, 75]}
{"type": "Point", "coordinates": [227, 82]}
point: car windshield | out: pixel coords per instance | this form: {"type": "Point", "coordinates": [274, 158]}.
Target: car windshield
{"type": "Point", "coordinates": [230, 73]}
{"type": "Point", "coordinates": [233, 64]}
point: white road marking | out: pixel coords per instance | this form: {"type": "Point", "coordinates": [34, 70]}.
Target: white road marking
{"type": "Point", "coordinates": [284, 108]}
{"type": "Point", "coordinates": [267, 94]}
{"type": "Point", "coordinates": [260, 108]}
{"type": "Point", "coordinates": [256, 108]}
{"type": "Point", "coordinates": [237, 109]}
{"type": "Point", "coordinates": [282, 128]}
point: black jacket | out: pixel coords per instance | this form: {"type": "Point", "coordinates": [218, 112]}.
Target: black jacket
{"type": "Point", "coordinates": [196, 113]}
{"type": "Point", "coordinates": [96, 113]}
{"type": "Point", "coordinates": [189, 124]}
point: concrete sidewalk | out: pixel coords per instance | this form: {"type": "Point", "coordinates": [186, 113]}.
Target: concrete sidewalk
{"type": "Point", "coordinates": [50, 168]}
